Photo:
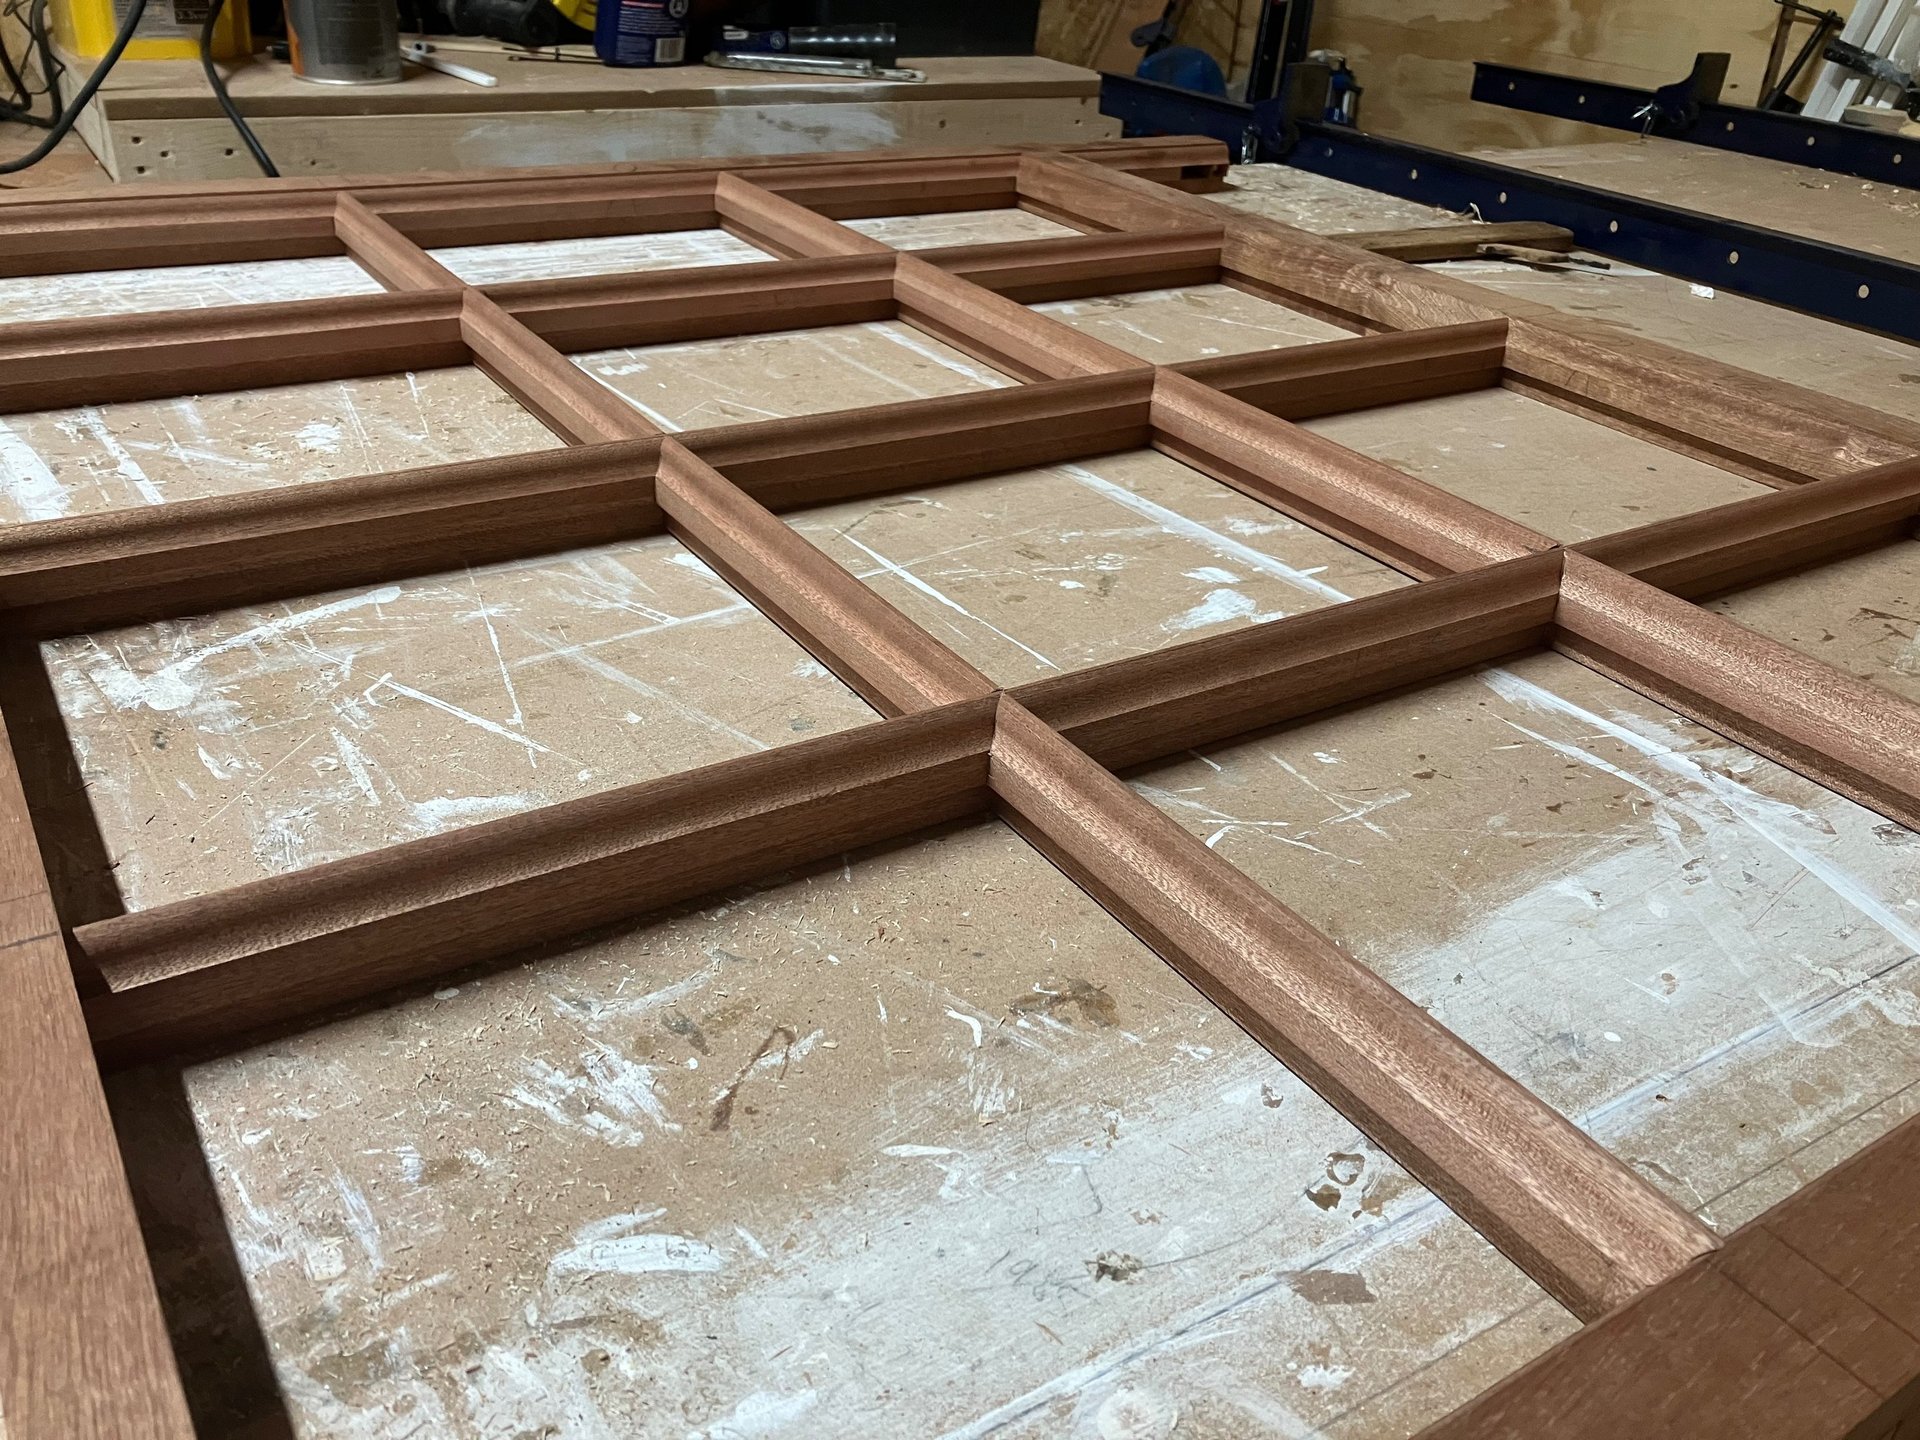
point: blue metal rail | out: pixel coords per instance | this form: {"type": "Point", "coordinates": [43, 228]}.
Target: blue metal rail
{"type": "Point", "coordinates": [1691, 110]}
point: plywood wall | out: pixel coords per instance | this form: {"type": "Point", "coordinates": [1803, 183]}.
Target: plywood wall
{"type": "Point", "coordinates": [1415, 57]}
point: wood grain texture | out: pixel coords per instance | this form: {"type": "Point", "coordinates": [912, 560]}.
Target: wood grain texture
{"type": "Point", "coordinates": [392, 259]}
{"type": "Point", "coordinates": [1805, 1323]}
{"type": "Point", "coordinates": [1151, 706]}
{"type": "Point", "coordinates": [599, 312]}
{"type": "Point", "coordinates": [817, 459]}
{"type": "Point", "coordinates": [84, 1353]}
{"type": "Point", "coordinates": [1072, 267]}
{"type": "Point", "coordinates": [1412, 525]}
{"type": "Point", "coordinates": [1753, 540]}
{"type": "Point", "coordinates": [890, 661]}
{"type": "Point", "coordinates": [1588, 1229]}
{"type": "Point", "coordinates": [1844, 732]}
{"type": "Point", "coordinates": [62, 232]}
{"type": "Point", "coordinates": [122, 567]}
{"type": "Point", "coordinates": [207, 969]}
{"type": "Point", "coordinates": [1079, 192]}
{"type": "Point", "coordinates": [1000, 331]}
{"type": "Point", "coordinates": [101, 360]}
{"type": "Point", "coordinates": [1335, 376]}
{"type": "Point", "coordinates": [783, 227]}
{"type": "Point", "coordinates": [1767, 429]}
{"type": "Point", "coordinates": [567, 400]}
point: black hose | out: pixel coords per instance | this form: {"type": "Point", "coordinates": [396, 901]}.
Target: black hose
{"type": "Point", "coordinates": [60, 127]}
{"type": "Point", "coordinates": [253, 144]}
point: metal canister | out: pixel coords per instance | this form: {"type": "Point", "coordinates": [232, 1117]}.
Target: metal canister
{"type": "Point", "coordinates": [344, 42]}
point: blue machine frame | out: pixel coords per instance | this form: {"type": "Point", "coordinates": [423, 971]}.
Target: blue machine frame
{"type": "Point", "coordinates": [1690, 110]}
{"type": "Point", "coordinates": [1850, 286]}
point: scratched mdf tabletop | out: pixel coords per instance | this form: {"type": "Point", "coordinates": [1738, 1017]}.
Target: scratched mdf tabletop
{"type": "Point", "coordinates": [922, 1141]}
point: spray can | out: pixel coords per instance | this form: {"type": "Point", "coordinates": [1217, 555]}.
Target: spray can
{"type": "Point", "coordinates": [641, 32]}
{"type": "Point", "coordinates": [344, 42]}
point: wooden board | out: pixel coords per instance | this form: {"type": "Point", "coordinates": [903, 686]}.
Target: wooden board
{"type": "Point", "coordinates": [1042, 542]}
{"type": "Point", "coordinates": [157, 121]}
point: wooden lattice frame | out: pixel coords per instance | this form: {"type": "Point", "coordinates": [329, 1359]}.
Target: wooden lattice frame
{"type": "Point", "coordinates": [1803, 1322]}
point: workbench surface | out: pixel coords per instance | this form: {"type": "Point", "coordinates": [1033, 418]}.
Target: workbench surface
{"type": "Point", "coordinates": [923, 1141]}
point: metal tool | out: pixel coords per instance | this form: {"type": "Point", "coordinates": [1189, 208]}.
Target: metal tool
{"type": "Point", "coordinates": [1877, 68]}
{"type": "Point", "coordinates": [419, 52]}
{"type": "Point", "coordinates": [836, 66]}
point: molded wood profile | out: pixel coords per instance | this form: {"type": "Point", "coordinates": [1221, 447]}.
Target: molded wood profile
{"type": "Point", "coordinates": [84, 1353]}
{"type": "Point", "coordinates": [890, 183]}
{"type": "Point", "coordinates": [565, 398]}
{"type": "Point", "coordinates": [207, 969]}
{"type": "Point", "coordinates": [1333, 377]}
{"type": "Point", "coordinates": [1806, 1322]}
{"type": "Point", "coordinates": [1415, 527]}
{"type": "Point", "coordinates": [1151, 706]}
{"type": "Point", "coordinates": [392, 259]}
{"type": "Point", "coordinates": [1070, 267]}
{"type": "Point", "coordinates": [781, 227]}
{"type": "Point", "coordinates": [819, 459]}
{"type": "Point", "coordinates": [1830, 726]}
{"type": "Point", "coordinates": [1593, 1233]}
{"type": "Point", "coordinates": [103, 359]}
{"type": "Point", "coordinates": [1748, 541]}
{"type": "Point", "coordinates": [546, 206]}
{"type": "Point", "coordinates": [61, 234]}
{"type": "Point", "coordinates": [123, 567]}
{"type": "Point", "coordinates": [1000, 331]}
{"type": "Point", "coordinates": [589, 312]}
{"type": "Point", "coordinates": [1774, 432]}
{"type": "Point", "coordinates": [1324, 275]}
{"type": "Point", "coordinates": [894, 664]}
{"type": "Point", "coordinates": [1082, 194]}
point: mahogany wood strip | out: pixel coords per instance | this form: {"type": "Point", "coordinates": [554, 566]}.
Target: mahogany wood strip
{"type": "Point", "coordinates": [1457, 242]}
{"type": "Point", "coordinates": [84, 1353]}
{"type": "Point", "coordinates": [1081, 193]}
{"type": "Point", "coordinates": [1000, 331]}
{"type": "Point", "coordinates": [1771, 430]}
{"type": "Point", "coordinates": [781, 227]}
{"type": "Point", "coordinates": [592, 312]}
{"type": "Point", "coordinates": [545, 205]}
{"type": "Point", "coordinates": [122, 567]}
{"type": "Point", "coordinates": [1329, 277]}
{"type": "Point", "coordinates": [98, 360]}
{"type": "Point", "coordinates": [71, 231]}
{"type": "Point", "coordinates": [1830, 726]}
{"type": "Point", "coordinates": [888, 659]}
{"type": "Point", "coordinates": [1748, 541]}
{"type": "Point", "coordinates": [1587, 1228]}
{"type": "Point", "coordinates": [565, 398]}
{"type": "Point", "coordinates": [392, 259]}
{"type": "Point", "coordinates": [207, 969]}
{"type": "Point", "coordinates": [1406, 522]}
{"type": "Point", "coordinates": [819, 459]}
{"type": "Point", "coordinates": [895, 184]}
{"type": "Point", "coordinates": [1302, 381]}
{"type": "Point", "coordinates": [1805, 1323]}
{"type": "Point", "coordinates": [1151, 706]}
{"type": "Point", "coordinates": [1068, 268]}
{"type": "Point", "coordinates": [1776, 433]}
